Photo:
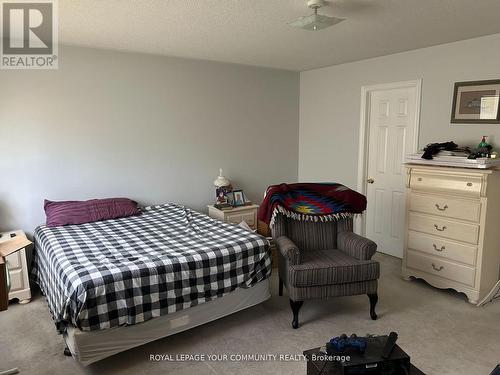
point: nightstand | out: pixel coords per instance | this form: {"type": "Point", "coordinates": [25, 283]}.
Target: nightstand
{"type": "Point", "coordinates": [236, 215]}
{"type": "Point", "coordinates": [18, 270]}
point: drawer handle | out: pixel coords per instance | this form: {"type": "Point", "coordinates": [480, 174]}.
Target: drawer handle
{"type": "Point", "coordinates": [441, 209]}
{"type": "Point", "coordinates": [437, 249]}
{"type": "Point", "coordinates": [437, 268]}
{"type": "Point", "coordinates": [469, 183]}
{"type": "Point", "coordinates": [437, 228]}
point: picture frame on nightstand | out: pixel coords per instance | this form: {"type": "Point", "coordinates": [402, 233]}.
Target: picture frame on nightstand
{"type": "Point", "coordinates": [238, 198]}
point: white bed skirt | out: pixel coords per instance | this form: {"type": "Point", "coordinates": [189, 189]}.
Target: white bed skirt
{"type": "Point", "coordinates": [91, 346]}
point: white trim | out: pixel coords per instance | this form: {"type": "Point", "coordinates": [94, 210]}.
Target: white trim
{"type": "Point", "coordinates": [364, 124]}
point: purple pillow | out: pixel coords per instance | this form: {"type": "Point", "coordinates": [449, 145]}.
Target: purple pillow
{"type": "Point", "coordinates": [80, 212]}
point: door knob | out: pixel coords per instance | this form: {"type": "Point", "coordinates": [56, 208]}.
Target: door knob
{"type": "Point", "coordinates": [370, 180]}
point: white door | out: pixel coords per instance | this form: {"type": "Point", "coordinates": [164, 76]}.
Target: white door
{"type": "Point", "coordinates": [392, 132]}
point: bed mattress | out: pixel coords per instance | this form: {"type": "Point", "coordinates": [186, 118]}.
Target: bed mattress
{"type": "Point", "coordinates": [126, 271]}
{"type": "Point", "coordinates": [89, 347]}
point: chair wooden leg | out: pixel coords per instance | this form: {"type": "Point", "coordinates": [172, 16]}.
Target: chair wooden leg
{"type": "Point", "coordinates": [280, 287]}
{"type": "Point", "coordinates": [295, 305]}
{"type": "Point", "coordinates": [373, 302]}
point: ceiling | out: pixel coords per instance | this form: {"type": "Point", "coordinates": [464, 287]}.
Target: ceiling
{"type": "Point", "coordinates": [255, 32]}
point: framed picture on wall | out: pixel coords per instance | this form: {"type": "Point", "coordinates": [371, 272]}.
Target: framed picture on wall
{"type": "Point", "coordinates": [476, 102]}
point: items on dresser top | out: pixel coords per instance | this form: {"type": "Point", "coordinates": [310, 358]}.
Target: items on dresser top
{"type": "Point", "coordinates": [13, 268]}
{"type": "Point", "coordinates": [452, 238]}
{"type": "Point", "coordinates": [453, 159]}
{"type": "Point", "coordinates": [434, 148]}
{"type": "Point", "coordinates": [449, 154]}
{"type": "Point", "coordinates": [483, 150]}
{"type": "Point", "coordinates": [236, 215]}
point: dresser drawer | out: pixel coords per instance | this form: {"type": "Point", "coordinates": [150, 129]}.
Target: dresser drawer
{"type": "Point", "coordinates": [443, 227]}
{"type": "Point", "coordinates": [14, 260]}
{"type": "Point", "coordinates": [247, 213]}
{"type": "Point", "coordinates": [445, 206]}
{"type": "Point", "coordinates": [433, 245]}
{"type": "Point", "coordinates": [447, 183]}
{"type": "Point", "coordinates": [442, 268]}
{"type": "Point", "coordinates": [248, 217]}
{"type": "Point", "coordinates": [16, 280]}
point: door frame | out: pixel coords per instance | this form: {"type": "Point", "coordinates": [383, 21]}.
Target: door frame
{"type": "Point", "coordinates": [364, 131]}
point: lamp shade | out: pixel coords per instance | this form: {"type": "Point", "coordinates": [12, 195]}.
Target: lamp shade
{"type": "Point", "coordinates": [221, 181]}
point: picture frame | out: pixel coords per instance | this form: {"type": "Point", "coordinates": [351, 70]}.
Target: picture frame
{"type": "Point", "coordinates": [221, 194]}
{"type": "Point", "coordinates": [238, 198]}
{"type": "Point", "coordinates": [476, 102]}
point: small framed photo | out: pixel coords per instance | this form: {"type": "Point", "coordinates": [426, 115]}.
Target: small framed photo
{"type": "Point", "coordinates": [238, 198]}
{"type": "Point", "coordinates": [221, 194]}
{"type": "Point", "coordinates": [476, 102]}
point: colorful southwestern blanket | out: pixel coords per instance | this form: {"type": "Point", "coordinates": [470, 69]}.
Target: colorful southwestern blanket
{"type": "Point", "coordinates": [311, 202]}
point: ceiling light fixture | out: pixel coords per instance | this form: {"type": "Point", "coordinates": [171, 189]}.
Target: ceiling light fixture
{"type": "Point", "coordinates": [315, 21]}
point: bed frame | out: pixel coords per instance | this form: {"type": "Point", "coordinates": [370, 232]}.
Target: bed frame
{"type": "Point", "coordinates": [92, 346]}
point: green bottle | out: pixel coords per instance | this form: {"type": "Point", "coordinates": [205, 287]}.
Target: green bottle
{"type": "Point", "coordinates": [484, 147]}
{"type": "Point", "coordinates": [483, 142]}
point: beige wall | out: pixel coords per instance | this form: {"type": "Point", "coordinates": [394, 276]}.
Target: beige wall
{"type": "Point", "coordinates": [330, 103]}
{"type": "Point", "coordinates": [154, 129]}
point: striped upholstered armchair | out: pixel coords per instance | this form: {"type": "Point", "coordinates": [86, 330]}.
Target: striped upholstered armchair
{"type": "Point", "coordinates": [322, 260]}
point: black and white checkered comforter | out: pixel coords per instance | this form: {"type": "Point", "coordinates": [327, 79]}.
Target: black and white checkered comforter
{"type": "Point", "coordinates": [126, 271]}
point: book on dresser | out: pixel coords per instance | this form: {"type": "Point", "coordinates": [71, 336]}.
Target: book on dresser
{"type": "Point", "coordinates": [452, 236]}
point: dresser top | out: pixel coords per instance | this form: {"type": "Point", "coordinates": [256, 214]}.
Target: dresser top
{"type": "Point", "coordinates": [236, 209]}
{"type": "Point", "coordinates": [451, 169]}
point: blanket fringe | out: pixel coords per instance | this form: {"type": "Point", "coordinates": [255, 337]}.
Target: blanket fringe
{"type": "Point", "coordinates": [306, 217]}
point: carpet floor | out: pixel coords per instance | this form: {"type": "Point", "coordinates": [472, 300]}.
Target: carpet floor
{"type": "Point", "coordinates": [441, 332]}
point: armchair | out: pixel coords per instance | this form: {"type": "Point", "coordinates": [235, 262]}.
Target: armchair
{"type": "Point", "coordinates": [324, 259]}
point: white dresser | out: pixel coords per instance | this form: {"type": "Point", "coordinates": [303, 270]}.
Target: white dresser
{"type": "Point", "coordinates": [18, 271]}
{"type": "Point", "coordinates": [453, 228]}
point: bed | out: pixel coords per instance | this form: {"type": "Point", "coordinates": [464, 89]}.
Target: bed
{"type": "Point", "coordinates": [116, 284]}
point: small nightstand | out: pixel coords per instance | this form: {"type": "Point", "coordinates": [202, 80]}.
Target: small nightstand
{"type": "Point", "coordinates": [18, 270]}
{"type": "Point", "coordinates": [236, 215]}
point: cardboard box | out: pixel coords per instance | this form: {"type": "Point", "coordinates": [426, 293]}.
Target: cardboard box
{"type": "Point", "coordinates": [13, 244]}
